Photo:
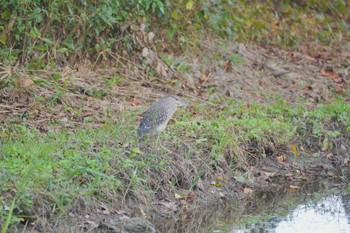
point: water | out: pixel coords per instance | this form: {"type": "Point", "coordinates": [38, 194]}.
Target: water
{"type": "Point", "coordinates": [329, 214]}
{"type": "Point", "coordinates": [321, 206]}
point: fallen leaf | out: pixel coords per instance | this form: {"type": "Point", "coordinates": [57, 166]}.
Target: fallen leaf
{"type": "Point", "coordinates": [329, 156]}
{"type": "Point", "coordinates": [325, 144]}
{"type": "Point", "coordinates": [282, 158]}
{"type": "Point", "coordinates": [171, 206]}
{"type": "Point", "coordinates": [221, 194]}
{"type": "Point", "coordinates": [190, 196]}
{"type": "Point", "coordinates": [338, 80]}
{"type": "Point", "coordinates": [186, 218]}
{"type": "Point", "coordinates": [293, 188]}
{"type": "Point", "coordinates": [339, 90]}
{"type": "Point", "coordinates": [295, 150]}
{"type": "Point", "coordinates": [227, 66]}
{"type": "Point", "coordinates": [150, 36]}
{"type": "Point", "coordinates": [275, 25]}
{"type": "Point", "coordinates": [27, 82]}
{"type": "Point", "coordinates": [247, 191]}
{"type": "Point", "coordinates": [134, 102]}
{"type": "Point", "coordinates": [177, 196]}
{"type": "Point", "coordinates": [145, 52]}
{"type": "Point", "coordinates": [183, 203]}
{"type": "Point", "coordinates": [290, 178]}
{"type": "Point", "coordinates": [334, 75]}
{"type": "Point", "coordinates": [161, 69]}
{"type": "Point", "coordinates": [327, 71]}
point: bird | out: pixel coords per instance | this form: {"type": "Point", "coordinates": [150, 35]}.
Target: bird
{"type": "Point", "coordinates": [156, 118]}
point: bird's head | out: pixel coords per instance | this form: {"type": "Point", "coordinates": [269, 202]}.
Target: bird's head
{"type": "Point", "coordinates": [178, 100]}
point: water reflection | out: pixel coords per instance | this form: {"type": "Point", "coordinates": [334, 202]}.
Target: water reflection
{"type": "Point", "coordinates": [330, 214]}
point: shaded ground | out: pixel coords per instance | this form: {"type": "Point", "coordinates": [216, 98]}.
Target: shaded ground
{"type": "Point", "coordinates": [86, 96]}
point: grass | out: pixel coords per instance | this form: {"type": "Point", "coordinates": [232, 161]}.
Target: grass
{"type": "Point", "coordinates": [102, 159]}
{"type": "Point", "coordinates": [107, 161]}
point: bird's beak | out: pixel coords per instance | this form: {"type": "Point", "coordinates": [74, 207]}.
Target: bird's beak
{"type": "Point", "coordinates": [182, 103]}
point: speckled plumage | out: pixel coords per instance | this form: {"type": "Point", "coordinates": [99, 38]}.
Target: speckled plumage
{"type": "Point", "coordinates": [158, 115]}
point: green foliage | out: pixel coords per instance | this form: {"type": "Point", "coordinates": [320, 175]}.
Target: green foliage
{"type": "Point", "coordinates": [277, 22]}
{"type": "Point", "coordinates": [62, 28]}
{"type": "Point", "coordinates": [41, 30]}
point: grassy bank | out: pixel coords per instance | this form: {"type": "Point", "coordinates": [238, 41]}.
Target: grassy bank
{"type": "Point", "coordinates": [75, 78]}
{"type": "Point", "coordinates": [51, 169]}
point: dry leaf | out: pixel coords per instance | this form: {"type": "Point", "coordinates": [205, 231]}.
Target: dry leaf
{"type": "Point", "coordinates": [329, 156]}
{"type": "Point", "coordinates": [177, 196]}
{"type": "Point", "coordinates": [161, 69]}
{"type": "Point", "coordinates": [227, 66]}
{"type": "Point", "coordinates": [295, 150]}
{"type": "Point", "coordinates": [275, 25]}
{"type": "Point", "coordinates": [339, 90]}
{"type": "Point", "coordinates": [27, 82]}
{"type": "Point", "coordinates": [186, 218]}
{"type": "Point", "coordinates": [290, 178]}
{"type": "Point", "coordinates": [329, 72]}
{"type": "Point", "coordinates": [247, 191]}
{"type": "Point", "coordinates": [293, 188]}
{"type": "Point", "coordinates": [145, 52]}
{"type": "Point", "coordinates": [134, 102]}
{"type": "Point", "coordinates": [171, 206]}
{"type": "Point", "coordinates": [190, 196]}
{"type": "Point", "coordinates": [183, 203]}
{"type": "Point", "coordinates": [150, 36]}
{"type": "Point", "coordinates": [282, 158]}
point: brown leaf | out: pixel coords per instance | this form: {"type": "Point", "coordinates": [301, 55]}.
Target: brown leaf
{"type": "Point", "coordinates": [161, 69]}
{"type": "Point", "coordinates": [338, 80]}
{"type": "Point", "coordinates": [290, 178]}
{"type": "Point", "coordinates": [134, 102]}
{"type": "Point", "coordinates": [186, 218]}
{"type": "Point", "coordinates": [334, 75]}
{"type": "Point", "coordinates": [327, 71]}
{"type": "Point", "coordinates": [190, 196]}
{"type": "Point", "coordinates": [247, 191]}
{"type": "Point", "coordinates": [227, 66]}
{"type": "Point", "coordinates": [293, 188]}
{"type": "Point", "coordinates": [228, 93]}
{"type": "Point", "coordinates": [275, 25]}
{"type": "Point", "coordinates": [339, 90]}
{"type": "Point", "coordinates": [282, 158]}
{"type": "Point", "coordinates": [183, 203]}
{"type": "Point", "coordinates": [329, 156]}
{"type": "Point", "coordinates": [27, 82]}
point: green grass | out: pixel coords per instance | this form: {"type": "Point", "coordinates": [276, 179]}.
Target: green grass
{"type": "Point", "coordinates": [106, 162]}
